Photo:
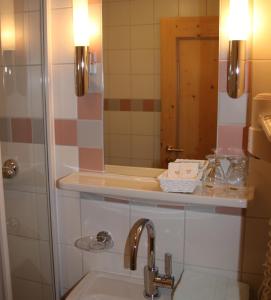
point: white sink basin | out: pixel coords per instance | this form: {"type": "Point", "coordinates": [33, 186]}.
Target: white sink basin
{"type": "Point", "coordinates": [99, 286]}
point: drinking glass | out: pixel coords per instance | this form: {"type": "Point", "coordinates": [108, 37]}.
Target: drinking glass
{"type": "Point", "coordinates": [236, 176]}
{"type": "Point", "coordinates": [213, 176]}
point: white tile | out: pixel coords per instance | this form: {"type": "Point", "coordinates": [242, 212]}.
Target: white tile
{"type": "Point", "coordinates": [119, 86]}
{"type": "Point", "coordinates": [118, 61]}
{"type": "Point", "coordinates": [21, 214]}
{"type": "Point", "coordinates": [119, 146]}
{"type": "Point", "coordinates": [142, 146]}
{"type": "Point", "coordinates": [33, 37]}
{"type": "Point", "coordinates": [69, 222]}
{"type": "Point", "coordinates": [165, 8]}
{"type": "Point", "coordinates": [120, 122]}
{"type": "Point", "coordinates": [142, 87]}
{"type": "Point", "coordinates": [71, 266]}
{"type": "Point", "coordinates": [66, 160]}
{"type": "Point", "coordinates": [213, 240]}
{"type": "Point", "coordinates": [142, 123]}
{"type": "Point", "coordinates": [62, 36]}
{"type": "Point", "coordinates": [142, 12]}
{"type": "Point", "coordinates": [232, 111]}
{"type": "Point", "coordinates": [142, 61]}
{"type": "Point", "coordinates": [169, 229]}
{"type": "Point", "coordinates": [116, 13]}
{"type": "Point", "coordinates": [42, 204]}
{"type": "Point", "coordinates": [90, 133]}
{"type": "Point", "coordinates": [142, 37]}
{"type": "Point", "coordinates": [104, 262]}
{"type": "Point", "coordinates": [117, 37]}
{"type": "Point", "coordinates": [105, 216]}
{"type": "Point", "coordinates": [25, 258]}
{"type": "Point", "coordinates": [45, 262]}
{"type": "Point", "coordinates": [25, 289]}
{"type": "Point", "coordinates": [65, 101]}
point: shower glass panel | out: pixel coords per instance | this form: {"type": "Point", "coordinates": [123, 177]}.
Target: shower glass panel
{"type": "Point", "coordinates": [23, 138]}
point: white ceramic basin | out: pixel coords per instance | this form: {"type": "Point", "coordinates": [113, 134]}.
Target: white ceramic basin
{"type": "Point", "coordinates": [99, 286]}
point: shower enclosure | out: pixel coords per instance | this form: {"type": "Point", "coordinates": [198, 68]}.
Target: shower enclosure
{"type": "Point", "coordinates": [23, 138]}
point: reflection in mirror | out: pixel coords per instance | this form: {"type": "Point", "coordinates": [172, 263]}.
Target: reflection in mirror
{"type": "Point", "coordinates": [148, 112]}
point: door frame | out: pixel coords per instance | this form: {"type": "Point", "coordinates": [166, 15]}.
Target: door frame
{"type": "Point", "coordinates": [171, 30]}
{"type": "Point", "coordinates": [4, 253]}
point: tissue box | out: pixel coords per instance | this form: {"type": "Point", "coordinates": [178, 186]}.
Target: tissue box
{"type": "Point", "coordinates": [177, 185]}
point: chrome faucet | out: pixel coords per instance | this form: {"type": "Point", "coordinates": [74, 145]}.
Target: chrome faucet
{"type": "Point", "coordinates": [152, 278]}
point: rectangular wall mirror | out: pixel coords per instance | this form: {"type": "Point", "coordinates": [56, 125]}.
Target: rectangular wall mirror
{"type": "Point", "coordinates": [161, 80]}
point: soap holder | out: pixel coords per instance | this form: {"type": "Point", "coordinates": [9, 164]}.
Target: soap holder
{"type": "Point", "coordinates": [102, 241]}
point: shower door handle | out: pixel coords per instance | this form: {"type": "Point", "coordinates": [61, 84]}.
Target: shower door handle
{"type": "Point", "coordinates": [10, 168]}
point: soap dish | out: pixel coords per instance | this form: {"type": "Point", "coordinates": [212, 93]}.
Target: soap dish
{"type": "Point", "coordinates": [102, 241]}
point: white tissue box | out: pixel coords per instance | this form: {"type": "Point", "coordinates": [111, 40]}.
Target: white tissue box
{"type": "Point", "coordinates": [178, 185]}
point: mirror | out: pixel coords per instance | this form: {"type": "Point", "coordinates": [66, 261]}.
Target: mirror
{"type": "Point", "coordinates": [161, 80]}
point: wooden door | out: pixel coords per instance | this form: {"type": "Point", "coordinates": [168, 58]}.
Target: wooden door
{"type": "Point", "coordinates": [197, 63]}
{"type": "Point", "coordinates": [188, 86]}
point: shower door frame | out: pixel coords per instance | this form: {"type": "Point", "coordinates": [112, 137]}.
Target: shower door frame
{"type": "Point", "coordinates": [5, 275]}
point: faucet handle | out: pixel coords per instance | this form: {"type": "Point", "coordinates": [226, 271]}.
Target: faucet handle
{"type": "Point", "coordinates": [168, 264]}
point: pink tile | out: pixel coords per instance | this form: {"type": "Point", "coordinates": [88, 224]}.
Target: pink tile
{"type": "Point", "coordinates": [230, 139]}
{"type": "Point", "coordinates": [125, 105]}
{"type": "Point", "coordinates": [222, 85]}
{"type": "Point", "coordinates": [90, 107]}
{"type": "Point", "coordinates": [21, 130]}
{"type": "Point", "coordinates": [91, 159]}
{"type": "Point", "coordinates": [148, 105]}
{"type": "Point", "coordinates": [66, 132]}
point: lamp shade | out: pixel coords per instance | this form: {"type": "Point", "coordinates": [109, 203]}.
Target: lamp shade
{"type": "Point", "coordinates": [80, 23]}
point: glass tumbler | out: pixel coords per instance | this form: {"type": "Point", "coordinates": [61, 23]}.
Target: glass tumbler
{"type": "Point", "coordinates": [237, 172]}
{"type": "Point", "coordinates": [213, 176]}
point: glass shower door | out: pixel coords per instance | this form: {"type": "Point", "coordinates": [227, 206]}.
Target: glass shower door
{"type": "Point", "coordinates": [23, 138]}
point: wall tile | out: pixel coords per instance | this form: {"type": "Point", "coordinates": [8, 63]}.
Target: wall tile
{"type": "Point", "coordinates": [25, 258]}
{"type": "Point", "coordinates": [25, 289]}
{"type": "Point", "coordinates": [61, 3]}
{"type": "Point", "coordinates": [119, 86]}
{"type": "Point", "coordinates": [142, 146]}
{"type": "Point", "coordinates": [66, 132]}
{"type": "Point", "coordinates": [190, 8]}
{"type": "Point", "coordinates": [142, 12]}
{"type": "Point", "coordinates": [67, 160]}
{"type": "Point", "coordinates": [142, 61]}
{"type": "Point", "coordinates": [119, 146]}
{"type": "Point", "coordinates": [91, 159]}
{"type": "Point", "coordinates": [164, 8]}
{"type": "Point", "coordinates": [104, 216]}
{"type": "Point", "coordinates": [142, 87]}
{"type": "Point", "coordinates": [230, 138]}
{"type": "Point", "coordinates": [212, 240]}
{"type": "Point", "coordinates": [118, 37]}
{"type": "Point", "coordinates": [142, 123]}
{"type": "Point", "coordinates": [65, 101]}
{"type": "Point", "coordinates": [232, 111]}
{"type": "Point", "coordinates": [118, 62]}
{"type": "Point", "coordinates": [116, 13]}
{"type": "Point", "coordinates": [71, 266]}
{"type": "Point", "coordinates": [69, 221]}
{"type": "Point", "coordinates": [62, 39]}
{"type": "Point", "coordinates": [90, 107]}
{"type": "Point", "coordinates": [90, 134]}
{"type": "Point", "coordinates": [104, 262]}
{"type": "Point", "coordinates": [21, 130]}
{"type": "Point", "coordinates": [142, 37]}
{"type": "Point", "coordinates": [166, 221]}
{"type": "Point", "coordinates": [261, 72]}
{"type": "Point", "coordinates": [120, 122]}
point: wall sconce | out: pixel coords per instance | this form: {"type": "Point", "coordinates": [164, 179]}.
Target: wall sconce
{"type": "Point", "coordinates": [7, 25]}
{"type": "Point", "coordinates": [238, 33]}
{"type": "Point", "coordinates": [81, 42]}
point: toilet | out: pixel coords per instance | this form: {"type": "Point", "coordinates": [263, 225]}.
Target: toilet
{"type": "Point", "coordinates": [195, 285]}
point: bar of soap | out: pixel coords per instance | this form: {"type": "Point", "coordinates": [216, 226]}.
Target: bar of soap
{"type": "Point", "coordinates": [183, 170]}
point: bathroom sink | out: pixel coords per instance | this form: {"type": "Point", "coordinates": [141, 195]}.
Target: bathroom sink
{"type": "Point", "coordinates": [104, 286]}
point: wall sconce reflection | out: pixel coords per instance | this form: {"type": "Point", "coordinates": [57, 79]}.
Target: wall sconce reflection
{"type": "Point", "coordinates": [238, 33]}
{"type": "Point", "coordinates": [7, 25]}
{"type": "Point", "coordinates": [81, 42]}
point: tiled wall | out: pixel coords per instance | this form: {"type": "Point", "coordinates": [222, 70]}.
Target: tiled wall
{"type": "Point", "coordinates": [78, 121]}
{"type": "Point", "coordinates": [232, 113]}
{"type": "Point", "coordinates": [205, 239]}
{"type": "Point", "coordinates": [131, 34]}
{"type": "Point", "coordinates": [259, 212]}
{"type": "Point", "coordinates": [22, 138]}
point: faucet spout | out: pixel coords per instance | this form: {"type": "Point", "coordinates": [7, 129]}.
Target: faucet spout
{"type": "Point", "coordinates": [135, 235]}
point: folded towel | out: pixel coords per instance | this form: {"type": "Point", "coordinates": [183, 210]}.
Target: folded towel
{"type": "Point", "coordinates": [183, 170]}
